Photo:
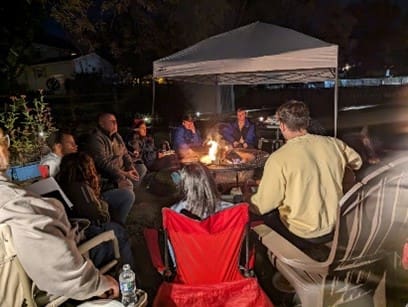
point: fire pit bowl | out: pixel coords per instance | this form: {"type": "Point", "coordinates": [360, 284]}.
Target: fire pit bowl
{"type": "Point", "coordinates": [238, 166]}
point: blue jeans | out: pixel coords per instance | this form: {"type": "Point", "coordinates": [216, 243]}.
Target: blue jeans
{"type": "Point", "coordinates": [120, 203]}
{"type": "Point", "coordinates": [104, 252]}
{"type": "Point", "coordinates": [141, 170]}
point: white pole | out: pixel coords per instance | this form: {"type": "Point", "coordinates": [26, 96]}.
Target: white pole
{"type": "Point", "coordinates": [335, 103]}
{"type": "Point", "coordinates": [153, 97]}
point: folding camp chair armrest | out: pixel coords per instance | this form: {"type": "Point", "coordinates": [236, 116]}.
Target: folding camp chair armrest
{"type": "Point", "coordinates": [103, 237]}
{"type": "Point", "coordinates": [84, 248]}
{"type": "Point", "coordinates": [286, 252]}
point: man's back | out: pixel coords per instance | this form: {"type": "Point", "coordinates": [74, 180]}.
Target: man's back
{"type": "Point", "coordinates": [304, 179]}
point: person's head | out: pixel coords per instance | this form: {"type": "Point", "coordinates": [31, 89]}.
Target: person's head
{"type": "Point", "coordinates": [188, 121]}
{"type": "Point", "coordinates": [139, 126]}
{"type": "Point", "coordinates": [241, 114]}
{"type": "Point", "coordinates": [199, 190]}
{"type": "Point", "coordinates": [4, 150]}
{"type": "Point", "coordinates": [108, 123]}
{"type": "Point", "coordinates": [62, 143]}
{"type": "Point", "coordinates": [293, 117]}
{"type": "Point", "coordinates": [79, 167]}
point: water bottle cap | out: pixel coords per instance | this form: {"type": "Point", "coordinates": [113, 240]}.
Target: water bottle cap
{"type": "Point", "coordinates": [126, 267]}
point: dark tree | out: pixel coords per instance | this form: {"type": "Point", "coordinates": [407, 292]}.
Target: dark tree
{"type": "Point", "coordinates": [21, 19]}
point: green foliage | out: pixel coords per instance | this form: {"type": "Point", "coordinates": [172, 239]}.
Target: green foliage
{"type": "Point", "coordinates": [28, 125]}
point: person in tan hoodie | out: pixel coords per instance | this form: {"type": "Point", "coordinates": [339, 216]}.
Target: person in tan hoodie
{"type": "Point", "coordinates": [46, 243]}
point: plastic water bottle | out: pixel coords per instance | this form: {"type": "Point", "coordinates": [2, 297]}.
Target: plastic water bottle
{"type": "Point", "coordinates": [127, 282]}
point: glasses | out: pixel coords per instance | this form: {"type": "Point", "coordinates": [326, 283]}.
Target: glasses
{"type": "Point", "coordinates": [5, 140]}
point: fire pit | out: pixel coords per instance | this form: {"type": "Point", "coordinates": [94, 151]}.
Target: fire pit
{"type": "Point", "coordinates": [236, 166]}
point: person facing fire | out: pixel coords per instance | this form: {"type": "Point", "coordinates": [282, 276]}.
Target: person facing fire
{"type": "Point", "coordinates": [240, 133]}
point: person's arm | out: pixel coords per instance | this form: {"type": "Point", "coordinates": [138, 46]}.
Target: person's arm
{"type": "Point", "coordinates": [196, 139]}
{"type": "Point", "coordinates": [105, 161]}
{"type": "Point", "coordinates": [127, 159]}
{"type": "Point", "coordinates": [250, 137]}
{"type": "Point", "coordinates": [227, 133]}
{"type": "Point", "coordinates": [353, 159]}
{"type": "Point", "coordinates": [179, 141]}
{"type": "Point", "coordinates": [45, 245]}
{"type": "Point", "coordinates": [271, 190]}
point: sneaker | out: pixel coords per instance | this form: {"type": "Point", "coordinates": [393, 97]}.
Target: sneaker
{"type": "Point", "coordinates": [280, 283]}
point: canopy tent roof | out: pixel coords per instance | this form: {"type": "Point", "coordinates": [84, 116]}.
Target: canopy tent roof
{"type": "Point", "coordinates": [258, 53]}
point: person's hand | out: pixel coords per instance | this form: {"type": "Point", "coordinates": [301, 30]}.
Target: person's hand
{"type": "Point", "coordinates": [235, 144]}
{"type": "Point", "coordinates": [136, 154]}
{"type": "Point", "coordinates": [373, 160]}
{"type": "Point", "coordinates": [113, 291]}
{"type": "Point", "coordinates": [192, 128]}
{"type": "Point", "coordinates": [160, 155]}
{"type": "Point", "coordinates": [245, 145]}
{"type": "Point", "coordinates": [124, 184]}
{"type": "Point", "coordinates": [132, 175]}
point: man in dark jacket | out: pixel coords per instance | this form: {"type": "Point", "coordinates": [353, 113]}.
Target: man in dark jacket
{"type": "Point", "coordinates": [109, 152]}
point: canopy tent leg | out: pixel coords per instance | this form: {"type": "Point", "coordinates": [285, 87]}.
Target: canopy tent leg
{"type": "Point", "coordinates": [153, 99]}
{"type": "Point", "coordinates": [218, 101]}
{"type": "Point", "coordinates": [336, 85]}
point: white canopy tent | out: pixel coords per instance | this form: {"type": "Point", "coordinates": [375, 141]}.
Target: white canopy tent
{"type": "Point", "coordinates": [257, 53]}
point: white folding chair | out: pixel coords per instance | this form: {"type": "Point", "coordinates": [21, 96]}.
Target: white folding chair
{"type": "Point", "coordinates": [49, 187]}
{"type": "Point", "coordinates": [16, 284]}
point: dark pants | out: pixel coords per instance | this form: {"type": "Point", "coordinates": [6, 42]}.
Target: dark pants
{"type": "Point", "coordinates": [314, 247]}
{"type": "Point", "coordinates": [104, 252]}
{"type": "Point", "coordinates": [120, 203]}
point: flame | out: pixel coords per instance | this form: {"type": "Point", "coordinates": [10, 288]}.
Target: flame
{"type": "Point", "coordinates": [212, 151]}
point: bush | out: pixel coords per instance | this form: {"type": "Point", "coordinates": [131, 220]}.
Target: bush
{"type": "Point", "coordinates": [28, 124]}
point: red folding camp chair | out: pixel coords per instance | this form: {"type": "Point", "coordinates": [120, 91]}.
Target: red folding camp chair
{"type": "Point", "coordinates": [207, 255]}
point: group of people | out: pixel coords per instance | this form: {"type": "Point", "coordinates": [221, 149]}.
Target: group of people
{"type": "Point", "coordinates": [46, 241]}
{"type": "Point", "coordinates": [301, 186]}
{"type": "Point", "coordinates": [298, 194]}
{"type": "Point", "coordinates": [239, 133]}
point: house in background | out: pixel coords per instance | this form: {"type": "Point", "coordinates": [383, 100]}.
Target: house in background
{"type": "Point", "coordinates": [58, 65]}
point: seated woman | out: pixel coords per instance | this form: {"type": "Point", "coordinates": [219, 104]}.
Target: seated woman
{"type": "Point", "coordinates": [144, 152]}
{"type": "Point", "coordinates": [79, 180]}
{"type": "Point", "coordinates": [78, 173]}
{"type": "Point", "coordinates": [199, 195]}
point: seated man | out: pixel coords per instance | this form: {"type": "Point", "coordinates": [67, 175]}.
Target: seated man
{"type": "Point", "coordinates": [240, 133]}
{"type": "Point", "coordinates": [186, 136]}
{"type": "Point", "coordinates": [110, 154]}
{"type": "Point", "coordinates": [61, 143]}
{"type": "Point", "coordinates": [45, 242]}
{"type": "Point", "coordinates": [302, 181]}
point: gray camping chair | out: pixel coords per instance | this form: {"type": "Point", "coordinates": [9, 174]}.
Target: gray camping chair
{"type": "Point", "coordinates": [371, 226]}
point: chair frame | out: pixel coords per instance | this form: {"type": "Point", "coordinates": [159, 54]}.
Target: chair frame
{"type": "Point", "coordinates": [48, 185]}
{"type": "Point", "coordinates": [343, 276]}
{"type": "Point", "coordinates": [24, 279]}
